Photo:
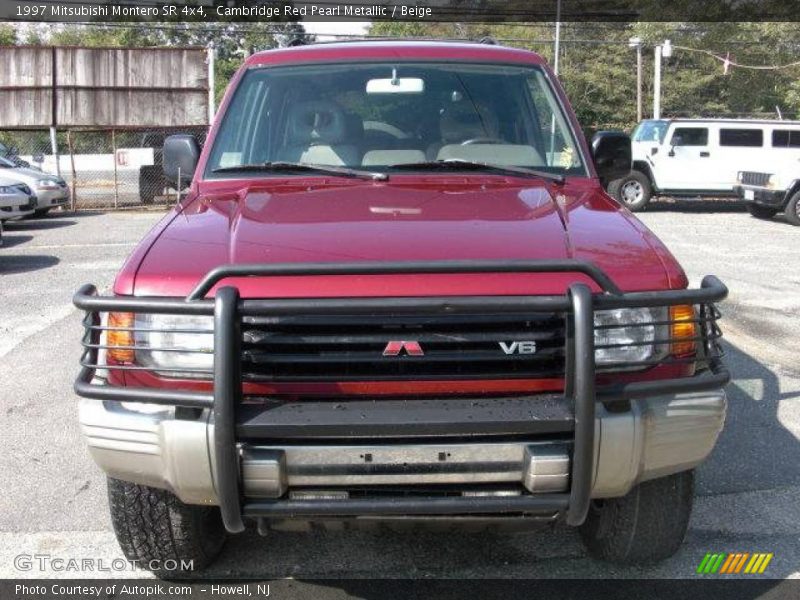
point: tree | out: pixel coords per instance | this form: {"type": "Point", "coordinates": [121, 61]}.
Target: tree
{"type": "Point", "coordinates": [598, 69]}
{"type": "Point", "coordinates": [8, 35]}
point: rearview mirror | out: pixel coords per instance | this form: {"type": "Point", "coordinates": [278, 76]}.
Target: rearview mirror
{"type": "Point", "coordinates": [180, 156]}
{"type": "Point", "coordinates": [612, 155]}
{"type": "Point", "coordinates": [396, 85]}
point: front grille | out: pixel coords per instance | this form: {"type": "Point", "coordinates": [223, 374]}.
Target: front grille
{"type": "Point", "coordinates": [753, 178]}
{"type": "Point", "coordinates": [343, 348]}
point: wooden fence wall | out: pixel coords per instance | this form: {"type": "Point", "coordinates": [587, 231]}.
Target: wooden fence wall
{"type": "Point", "coordinates": [44, 86]}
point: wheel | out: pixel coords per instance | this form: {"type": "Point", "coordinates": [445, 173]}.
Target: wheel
{"type": "Point", "coordinates": [792, 210]}
{"type": "Point", "coordinates": [154, 528]}
{"type": "Point", "coordinates": [151, 183]}
{"type": "Point", "coordinates": [40, 212]}
{"type": "Point", "coordinates": [645, 526]}
{"type": "Point", "coordinates": [633, 190]}
{"type": "Point", "coordinates": [761, 212]}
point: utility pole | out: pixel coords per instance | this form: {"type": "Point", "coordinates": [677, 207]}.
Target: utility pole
{"type": "Point", "coordinates": [661, 50]}
{"type": "Point", "coordinates": [636, 43]}
{"type": "Point", "coordinates": [558, 37]}
{"type": "Point", "coordinates": [210, 56]}
{"type": "Point", "coordinates": [556, 51]}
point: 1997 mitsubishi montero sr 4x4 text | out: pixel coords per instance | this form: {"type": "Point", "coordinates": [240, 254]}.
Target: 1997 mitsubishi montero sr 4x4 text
{"type": "Point", "coordinates": [396, 289]}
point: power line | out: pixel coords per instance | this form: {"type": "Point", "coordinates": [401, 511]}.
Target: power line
{"type": "Point", "coordinates": [726, 61]}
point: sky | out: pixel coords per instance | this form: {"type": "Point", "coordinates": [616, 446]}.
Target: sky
{"type": "Point", "coordinates": [336, 28]}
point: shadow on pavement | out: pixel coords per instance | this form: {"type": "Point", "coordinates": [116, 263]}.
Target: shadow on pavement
{"type": "Point", "coordinates": [697, 205]}
{"type": "Point", "coordinates": [755, 451]}
{"type": "Point", "coordinates": [24, 263]}
{"type": "Point", "coordinates": [11, 240]}
{"type": "Point", "coordinates": [38, 224]}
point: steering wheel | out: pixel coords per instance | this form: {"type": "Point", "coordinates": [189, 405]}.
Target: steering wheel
{"type": "Point", "coordinates": [483, 140]}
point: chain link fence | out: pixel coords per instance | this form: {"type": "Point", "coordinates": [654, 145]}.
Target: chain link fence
{"type": "Point", "coordinates": [103, 168]}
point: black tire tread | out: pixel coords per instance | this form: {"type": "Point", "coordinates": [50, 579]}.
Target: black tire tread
{"type": "Point", "coordinates": [615, 186]}
{"type": "Point", "coordinates": [153, 525]}
{"type": "Point", "coordinates": [761, 212]}
{"type": "Point", "coordinates": [791, 209]}
{"type": "Point", "coordinates": [643, 527]}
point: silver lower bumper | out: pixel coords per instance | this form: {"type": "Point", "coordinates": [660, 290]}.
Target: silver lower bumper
{"type": "Point", "coordinates": [269, 472]}
{"type": "Point", "coordinates": [657, 437]}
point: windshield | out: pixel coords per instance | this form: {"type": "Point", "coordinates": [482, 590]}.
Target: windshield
{"type": "Point", "coordinates": [378, 116]}
{"type": "Point", "coordinates": [650, 131]}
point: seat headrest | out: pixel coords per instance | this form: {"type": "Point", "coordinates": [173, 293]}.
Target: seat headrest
{"type": "Point", "coordinates": [316, 121]}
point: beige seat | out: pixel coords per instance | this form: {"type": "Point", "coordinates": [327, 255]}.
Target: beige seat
{"type": "Point", "coordinates": [392, 157]}
{"type": "Point", "coordinates": [462, 121]}
{"type": "Point", "coordinates": [497, 154]}
{"type": "Point", "coordinates": [318, 133]}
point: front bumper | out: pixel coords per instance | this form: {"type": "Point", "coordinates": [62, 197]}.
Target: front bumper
{"type": "Point", "coordinates": [760, 195]}
{"type": "Point", "coordinates": [17, 211]}
{"type": "Point", "coordinates": [658, 436]}
{"type": "Point", "coordinates": [550, 454]}
{"type": "Point", "coordinates": [52, 198]}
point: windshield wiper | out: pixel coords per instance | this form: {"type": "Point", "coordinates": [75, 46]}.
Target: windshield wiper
{"type": "Point", "coordinates": [461, 165]}
{"type": "Point", "coordinates": [277, 166]}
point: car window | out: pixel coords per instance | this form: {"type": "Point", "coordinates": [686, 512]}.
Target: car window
{"type": "Point", "coordinates": [786, 138]}
{"type": "Point", "coordinates": [350, 115]}
{"type": "Point", "coordinates": [650, 131]}
{"type": "Point", "coordinates": [749, 138]}
{"type": "Point", "coordinates": [690, 136]}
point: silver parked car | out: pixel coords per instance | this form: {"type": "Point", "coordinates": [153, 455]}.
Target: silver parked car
{"type": "Point", "coordinates": [16, 200]}
{"type": "Point", "coordinates": [49, 191]}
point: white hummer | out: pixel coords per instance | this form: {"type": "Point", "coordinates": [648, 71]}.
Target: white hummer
{"type": "Point", "coordinates": [702, 157]}
{"type": "Point", "coordinates": [768, 193]}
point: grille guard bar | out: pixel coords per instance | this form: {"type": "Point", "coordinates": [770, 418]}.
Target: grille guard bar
{"type": "Point", "coordinates": [228, 308]}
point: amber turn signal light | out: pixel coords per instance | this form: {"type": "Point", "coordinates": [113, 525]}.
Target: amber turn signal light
{"type": "Point", "coordinates": [683, 329]}
{"type": "Point", "coordinates": [120, 341]}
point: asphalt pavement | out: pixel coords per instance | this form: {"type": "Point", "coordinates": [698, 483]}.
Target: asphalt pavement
{"type": "Point", "coordinates": [748, 492]}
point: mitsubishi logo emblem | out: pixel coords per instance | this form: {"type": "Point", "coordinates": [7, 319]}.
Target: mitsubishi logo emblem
{"type": "Point", "coordinates": [395, 348]}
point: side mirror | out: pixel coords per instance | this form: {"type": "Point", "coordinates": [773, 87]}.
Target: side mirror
{"type": "Point", "coordinates": [38, 157]}
{"type": "Point", "coordinates": [612, 155]}
{"type": "Point", "coordinates": [676, 141]}
{"type": "Point", "coordinates": [179, 158]}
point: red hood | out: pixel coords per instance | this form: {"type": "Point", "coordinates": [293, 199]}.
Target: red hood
{"type": "Point", "coordinates": [407, 218]}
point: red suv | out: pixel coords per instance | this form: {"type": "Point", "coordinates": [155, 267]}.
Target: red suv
{"type": "Point", "coordinates": [395, 289]}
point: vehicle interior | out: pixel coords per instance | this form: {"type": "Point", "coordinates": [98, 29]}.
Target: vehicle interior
{"type": "Point", "coordinates": [385, 115]}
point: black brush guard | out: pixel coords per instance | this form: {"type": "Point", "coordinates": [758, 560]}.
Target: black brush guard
{"type": "Point", "coordinates": [228, 309]}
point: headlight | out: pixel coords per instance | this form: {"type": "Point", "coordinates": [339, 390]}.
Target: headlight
{"type": "Point", "coordinates": [627, 335]}
{"type": "Point", "coordinates": [47, 184]}
{"type": "Point", "coordinates": [7, 189]}
{"type": "Point", "coordinates": [175, 342]}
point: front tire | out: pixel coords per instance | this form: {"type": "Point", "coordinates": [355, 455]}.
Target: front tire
{"type": "Point", "coordinates": [761, 212]}
{"type": "Point", "coordinates": [154, 528]}
{"type": "Point", "coordinates": [792, 210]}
{"type": "Point", "coordinates": [634, 190]}
{"type": "Point", "coordinates": [645, 526]}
